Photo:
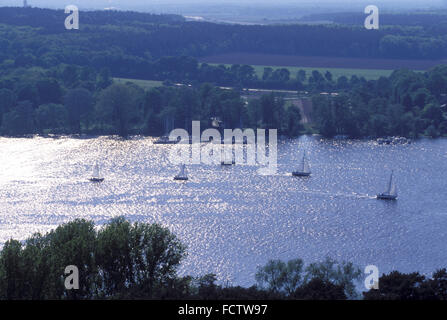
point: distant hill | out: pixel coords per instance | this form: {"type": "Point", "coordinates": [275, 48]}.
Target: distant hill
{"type": "Point", "coordinates": [417, 18]}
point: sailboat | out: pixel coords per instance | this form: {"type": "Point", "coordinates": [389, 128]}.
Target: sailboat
{"type": "Point", "coordinates": [182, 174]}
{"type": "Point", "coordinates": [95, 176]}
{"type": "Point", "coordinates": [165, 140]}
{"type": "Point", "coordinates": [391, 192]}
{"type": "Point", "coordinates": [304, 170]}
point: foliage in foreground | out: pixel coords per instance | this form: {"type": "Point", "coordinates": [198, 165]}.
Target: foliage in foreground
{"type": "Point", "coordinates": [121, 260]}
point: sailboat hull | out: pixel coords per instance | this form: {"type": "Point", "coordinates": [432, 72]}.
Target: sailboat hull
{"type": "Point", "coordinates": [165, 140]}
{"type": "Point", "coordinates": [96, 179]}
{"type": "Point", "coordinates": [227, 163]}
{"type": "Point", "coordinates": [301, 174]}
{"type": "Point", "coordinates": [383, 196]}
{"type": "Point", "coordinates": [180, 178]}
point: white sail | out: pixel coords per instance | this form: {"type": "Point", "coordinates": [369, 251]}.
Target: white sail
{"type": "Point", "coordinates": [182, 170]}
{"type": "Point", "coordinates": [392, 190]}
{"type": "Point", "coordinates": [96, 171]}
{"type": "Point", "coordinates": [304, 165]}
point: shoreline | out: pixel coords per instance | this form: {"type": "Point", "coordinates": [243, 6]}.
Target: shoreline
{"type": "Point", "coordinates": [142, 136]}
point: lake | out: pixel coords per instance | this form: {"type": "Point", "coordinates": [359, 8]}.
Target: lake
{"type": "Point", "coordinates": [231, 218]}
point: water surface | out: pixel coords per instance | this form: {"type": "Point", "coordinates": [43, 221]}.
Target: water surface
{"type": "Point", "coordinates": [232, 218]}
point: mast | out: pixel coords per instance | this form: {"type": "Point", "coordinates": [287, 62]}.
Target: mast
{"type": "Point", "coordinates": [304, 165]}
{"type": "Point", "coordinates": [303, 162]}
{"type": "Point", "coordinates": [390, 183]}
{"type": "Point", "coordinates": [96, 171]}
{"type": "Point", "coordinates": [182, 170]}
{"type": "Point", "coordinates": [392, 190]}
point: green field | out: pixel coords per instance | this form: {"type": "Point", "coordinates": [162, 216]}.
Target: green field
{"type": "Point", "coordinates": [368, 74]}
{"type": "Point", "coordinates": [145, 84]}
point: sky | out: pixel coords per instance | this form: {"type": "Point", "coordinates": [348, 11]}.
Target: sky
{"type": "Point", "coordinates": [217, 7]}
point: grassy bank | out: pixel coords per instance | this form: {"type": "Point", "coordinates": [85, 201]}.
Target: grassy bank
{"type": "Point", "coordinates": [145, 84]}
{"type": "Point", "coordinates": [368, 74]}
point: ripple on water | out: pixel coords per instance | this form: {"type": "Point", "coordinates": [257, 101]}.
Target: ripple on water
{"type": "Point", "coordinates": [234, 219]}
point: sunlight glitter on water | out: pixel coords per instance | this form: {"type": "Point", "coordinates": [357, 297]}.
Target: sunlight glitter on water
{"type": "Point", "coordinates": [232, 218]}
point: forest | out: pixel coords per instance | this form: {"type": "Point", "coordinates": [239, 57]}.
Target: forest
{"type": "Point", "coordinates": [57, 81]}
{"type": "Point", "coordinates": [124, 260]}
{"type": "Point", "coordinates": [406, 104]}
{"type": "Point", "coordinates": [69, 99]}
{"type": "Point", "coordinates": [75, 100]}
{"type": "Point", "coordinates": [128, 42]}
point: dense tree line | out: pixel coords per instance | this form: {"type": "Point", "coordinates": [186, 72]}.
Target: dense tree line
{"type": "Point", "coordinates": [405, 104]}
{"type": "Point", "coordinates": [70, 100]}
{"type": "Point", "coordinates": [123, 260]}
{"type": "Point", "coordinates": [410, 286]}
{"type": "Point", "coordinates": [129, 43]}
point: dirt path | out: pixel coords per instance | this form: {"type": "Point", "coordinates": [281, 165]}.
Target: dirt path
{"type": "Point", "coordinates": [305, 106]}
